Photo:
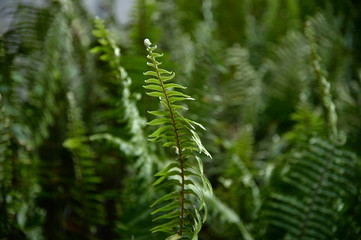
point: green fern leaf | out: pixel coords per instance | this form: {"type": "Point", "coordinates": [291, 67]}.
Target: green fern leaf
{"type": "Point", "coordinates": [321, 176]}
{"type": "Point", "coordinates": [185, 206]}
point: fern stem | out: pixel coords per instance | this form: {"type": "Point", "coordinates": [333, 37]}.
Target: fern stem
{"type": "Point", "coordinates": [179, 148]}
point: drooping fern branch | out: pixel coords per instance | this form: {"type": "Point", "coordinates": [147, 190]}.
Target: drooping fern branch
{"type": "Point", "coordinates": [182, 207]}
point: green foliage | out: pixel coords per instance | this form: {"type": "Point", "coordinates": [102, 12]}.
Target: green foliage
{"type": "Point", "coordinates": [5, 172]}
{"type": "Point", "coordinates": [245, 89]}
{"type": "Point", "coordinates": [323, 85]}
{"type": "Point", "coordinates": [129, 137]}
{"type": "Point", "coordinates": [87, 200]}
{"type": "Point", "coordinates": [183, 206]}
{"type": "Point", "coordinates": [136, 144]}
{"type": "Point", "coordinates": [277, 85]}
{"type": "Point", "coordinates": [318, 179]}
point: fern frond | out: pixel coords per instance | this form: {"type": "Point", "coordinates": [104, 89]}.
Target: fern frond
{"type": "Point", "coordinates": [289, 68]}
{"type": "Point", "coordinates": [6, 170]}
{"type": "Point", "coordinates": [183, 206]}
{"type": "Point", "coordinates": [136, 144]}
{"type": "Point", "coordinates": [126, 136]}
{"type": "Point", "coordinates": [245, 89]}
{"type": "Point", "coordinates": [18, 183]}
{"type": "Point", "coordinates": [5, 166]}
{"type": "Point", "coordinates": [321, 178]}
{"type": "Point", "coordinates": [88, 202]}
{"type": "Point", "coordinates": [320, 174]}
{"type": "Point", "coordinates": [323, 85]}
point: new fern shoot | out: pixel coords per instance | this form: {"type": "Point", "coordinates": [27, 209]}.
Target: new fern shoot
{"type": "Point", "coordinates": [183, 210]}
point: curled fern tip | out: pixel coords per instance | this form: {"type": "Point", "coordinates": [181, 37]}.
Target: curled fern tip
{"type": "Point", "coordinates": [147, 42]}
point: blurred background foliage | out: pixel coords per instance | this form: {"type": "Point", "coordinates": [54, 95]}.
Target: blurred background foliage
{"type": "Point", "coordinates": [277, 84]}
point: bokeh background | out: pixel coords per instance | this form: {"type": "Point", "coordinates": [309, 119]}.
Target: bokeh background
{"type": "Point", "coordinates": [277, 84]}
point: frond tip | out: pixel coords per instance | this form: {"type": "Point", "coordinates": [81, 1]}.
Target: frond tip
{"type": "Point", "coordinates": [184, 208]}
{"type": "Point", "coordinates": [147, 42]}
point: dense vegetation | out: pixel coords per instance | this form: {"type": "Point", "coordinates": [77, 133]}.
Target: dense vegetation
{"type": "Point", "coordinates": [275, 83]}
